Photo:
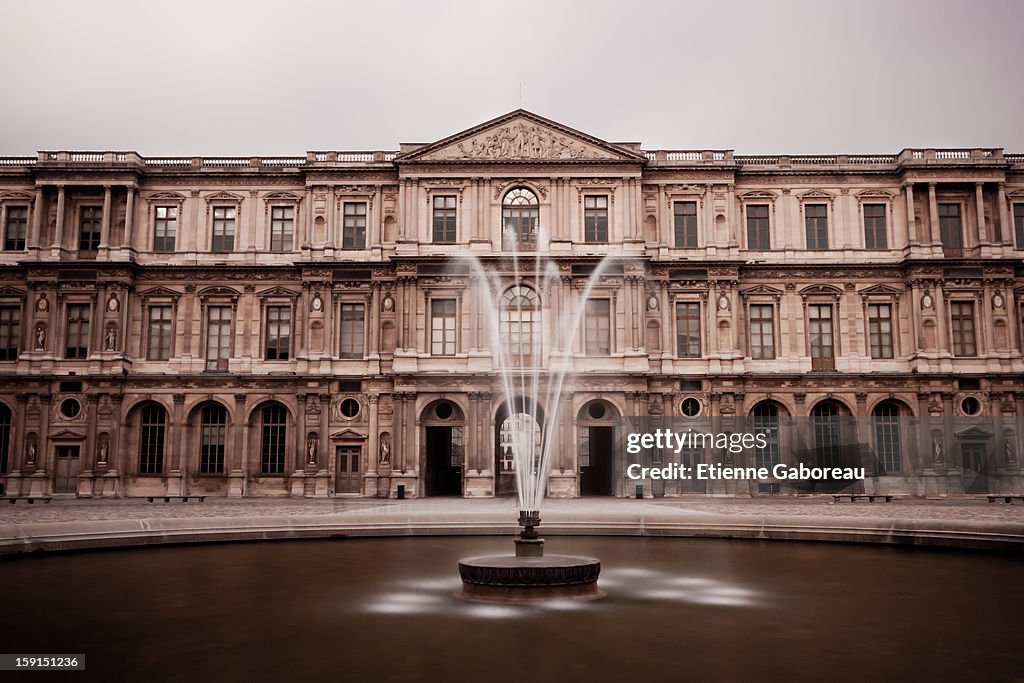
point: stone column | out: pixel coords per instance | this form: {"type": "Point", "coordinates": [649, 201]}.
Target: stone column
{"type": "Point", "coordinates": [235, 462]}
{"type": "Point", "coordinates": [1006, 226]}
{"type": "Point", "coordinates": [332, 210]}
{"type": "Point", "coordinates": [37, 219]}
{"type": "Point", "coordinates": [301, 456]}
{"type": "Point", "coordinates": [175, 437]}
{"type": "Point", "coordinates": [372, 446]}
{"type": "Point", "coordinates": [58, 235]}
{"type": "Point", "coordinates": [984, 236]}
{"type": "Point", "coordinates": [129, 218]}
{"type": "Point", "coordinates": [911, 217]}
{"type": "Point", "coordinates": [933, 215]}
{"type": "Point", "coordinates": [105, 225]}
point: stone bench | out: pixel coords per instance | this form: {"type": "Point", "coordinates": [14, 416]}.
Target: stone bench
{"type": "Point", "coordinates": [836, 497]}
{"type": "Point", "coordinates": [1005, 498]}
{"type": "Point", "coordinates": [28, 499]}
{"type": "Point", "coordinates": [168, 499]}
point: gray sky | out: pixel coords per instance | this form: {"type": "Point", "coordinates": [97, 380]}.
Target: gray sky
{"type": "Point", "coordinates": [218, 77]}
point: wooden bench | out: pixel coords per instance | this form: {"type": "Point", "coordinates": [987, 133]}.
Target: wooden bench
{"type": "Point", "coordinates": [1005, 498]}
{"type": "Point", "coordinates": [183, 499]}
{"type": "Point", "coordinates": [836, 497]}
{"type": "Point", "coordinates": [29, 499]}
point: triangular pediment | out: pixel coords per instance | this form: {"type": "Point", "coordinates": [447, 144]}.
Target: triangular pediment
{"type": "Point", "coordinates": [159, 291]}
{"type": "Point", "coordinates": [67, 435]}
{"type": "Point", "coordinates": [881, 290]}
{"type": "Point", "coordinates": [763, 289]}
{"type": "Point", "coordinates": [347, 435]}
{"type": "Point", "coordinates": [976, 433]}
{"type": "Point", "coordinates": [521, 136]}
{"type": "Point", "coordinates": [277, 290]}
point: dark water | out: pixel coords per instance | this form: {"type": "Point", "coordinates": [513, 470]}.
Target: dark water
{"type": "Point", "coordinates": [383, 610]}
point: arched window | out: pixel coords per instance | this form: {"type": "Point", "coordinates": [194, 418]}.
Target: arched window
{"type": "Point", "coordinates": [5, 436]}
{"type": "Point", "coordinates": [213, 429]}
{"type": "Point", "coordinates": [887, 437]}
{"type": "Point", "coordinates": [519, 325]}
{"type": "Point", "coordinates": [825, 421]}
{"type": "Point", "coordinates": [151, 439]}
{"type": "Point", "coordinates": [520, 219]}
{"type": "Point", "coordinates": [275, 433]}
{"type": "Point", "coordinates": [766, 421]}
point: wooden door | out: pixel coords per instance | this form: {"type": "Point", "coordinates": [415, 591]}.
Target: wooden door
{"type": "Point", "coordinates": [348, 480]}
{"type": "Point", "coordinates": [67, 468]}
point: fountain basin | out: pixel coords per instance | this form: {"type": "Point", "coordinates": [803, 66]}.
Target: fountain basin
{"type": "Point", "coordinates": [508, 578]}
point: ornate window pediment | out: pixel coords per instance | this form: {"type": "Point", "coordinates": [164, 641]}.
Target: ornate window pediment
{"type": "Point", "coordinates": [816, 194]}
{"type": "Point", "coordinates": [166, 196]}
{"type": "Point", "coordinates": [278, 291]}
{"type": "Point", "coordinates": [282, 197]}
{"type": "Point", "coordinates": [219, 292]}
{"type": "Point", "coordinates": [764, 290]}
{"type": "Point", "coordinates": [822, 291]}
{"type": "Point", "coordinates": [224, 197]}
{"type": "Point", "coordinates": [347, 435]}
{"type": "Point", "coordinates": [875, 193]}
{"type": "Point", "coordinates": [15, 196]}
{"type": "Point", "coordinates": [880, 290]}
{"type": "Point", "coordinates": [758, 195]}
{"type": "Point", "coordinates": [159, 292]}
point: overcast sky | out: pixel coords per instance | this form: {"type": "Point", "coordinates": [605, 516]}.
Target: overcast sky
{"type": "Point", "coordinates": [250, 78]}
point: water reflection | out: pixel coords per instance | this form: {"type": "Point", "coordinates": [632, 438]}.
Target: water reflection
{"type": "Point", "coordinates": [435, 595]}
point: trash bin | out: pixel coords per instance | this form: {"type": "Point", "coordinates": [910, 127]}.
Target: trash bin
{"type": "Point", "coordinates": [401, 492]}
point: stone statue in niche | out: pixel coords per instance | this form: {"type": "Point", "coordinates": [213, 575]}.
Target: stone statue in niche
{"type": "Point", "coordinates": [40, 337]}
{"type": "Point", "coordinates": [104, 451]}
{"type": "Point", "coordinates": [110, 339]}
{"type": "Point", "coordinates": [1011, 450]}
{"type": "Point", "coordinates": [385, 451]}
{"type": "Point", "coordinates": [937, 449]}
{"type": "Point", "coordinates": [311, 448]}
{"type": "Point", "coordinates": [30, 456]}
{"type": "Point", "coordinates": [42, 305]}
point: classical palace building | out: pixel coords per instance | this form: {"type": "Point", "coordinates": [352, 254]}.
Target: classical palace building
{"type": "Point", "coordinates": [304, 326]}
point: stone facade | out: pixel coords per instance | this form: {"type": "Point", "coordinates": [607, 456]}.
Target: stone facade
{"type": "Point", "coordinates": [294, 326]}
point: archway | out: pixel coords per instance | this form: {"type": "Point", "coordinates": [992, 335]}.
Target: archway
{"type": "Point", "coordinates": [443, 425]}
{"type": "Point", "coordinates": [527, 415]}
{"type": "Point", "coordinates": [596, 452]}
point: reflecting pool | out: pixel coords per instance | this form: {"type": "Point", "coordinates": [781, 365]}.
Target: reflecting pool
{"type": "Point", "coordinates": [385, 609]}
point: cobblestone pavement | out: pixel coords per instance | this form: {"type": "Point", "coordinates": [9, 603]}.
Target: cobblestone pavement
{"type": "Point", "coordinates": [67, 510]}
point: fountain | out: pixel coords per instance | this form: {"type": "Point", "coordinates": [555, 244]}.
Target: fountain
{"type": "Point", "coordinates": [524, 365]}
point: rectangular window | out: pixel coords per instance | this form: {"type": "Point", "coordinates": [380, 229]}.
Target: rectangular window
{"type": "Point", "coordinates": [14, 230]}
{"type": "Point", "coordinates": [89, 228]}
{"type": "Point", "coordinates": [758, 236]}
{"type": "Point", "coordinates": [442, 327]}
{"type": "Point", "coordinates": [218, 337]}
{"type": "Point", "coordinates": [949, 226]}
{"type": "Point", "coordinates": [159, 333]}
{"type": "Point", "coordinates": [874, 227]}
{"type": "Point", "coordinates": [165, 228]}
{"type": "Point", "coordinates": [10, 332]}
{"type": "Point", "coordinates": [688, 330]}
{"type": "Point", "coordinates": [819, 328]}
{"type": "Point", "coordinates": [1018, 224]}
{"type": "Point", "coordinates": [282, 226]}
{"type": "Point", "coordinates": [762, 331]}
{"type": "Point", "coordinates": [595, 218]}
{"type": "Point", "coordinates": [354, 235]}
{"type": "Point", "coordinates": [880, 330]}
{"type": "Point", "coordinates": [351, 331]}
{"type": "Point", "coordinates": [816, 222]}
{"type": "Point", "coordinates": [77, 338]}
{"type": "Point", "coordinates": [224, 228]}
{"type": "Point", "coordinates": [598, 327]}
{"type": "Point", "coordinates": [685, 216]}
{"type": "Point", "coordinates": [962, 318]}
{"type": "Point", "coordinates": [279, 332]}
{"type": "Point", "coordinates": [444, 219]}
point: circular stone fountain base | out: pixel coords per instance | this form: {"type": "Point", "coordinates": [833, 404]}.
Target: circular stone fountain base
{"type": "Point", "coordinates": [506, 578]}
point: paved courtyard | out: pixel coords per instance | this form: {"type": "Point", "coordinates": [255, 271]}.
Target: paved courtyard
{"type": "Point", "coordinates": [82, 510]}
